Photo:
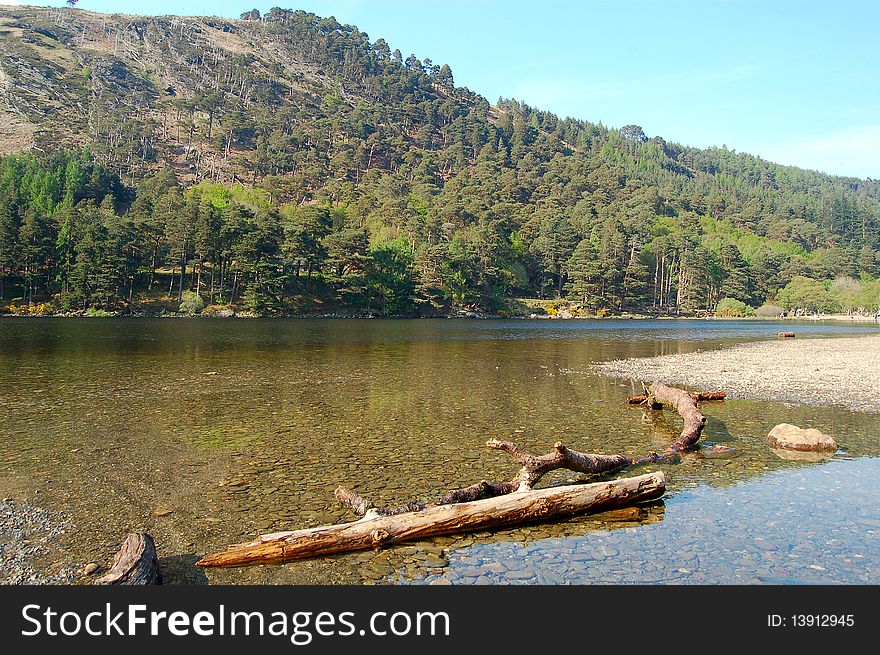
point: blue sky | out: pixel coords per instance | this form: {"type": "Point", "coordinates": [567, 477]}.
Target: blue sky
{"type": "Point", "coordinates": [796, 82]}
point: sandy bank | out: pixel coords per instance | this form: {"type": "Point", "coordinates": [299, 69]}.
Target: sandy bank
{"type": "Point", "coordinates": [837, 371]}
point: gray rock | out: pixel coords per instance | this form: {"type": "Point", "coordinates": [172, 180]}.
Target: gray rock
{"type": "Point", "coordinates": [494, 567]}
{"type": "Point", "coordinates": [522, 574]}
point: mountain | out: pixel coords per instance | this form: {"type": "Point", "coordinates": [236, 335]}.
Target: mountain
{"type": "Point", "coordinates": [289, 163]}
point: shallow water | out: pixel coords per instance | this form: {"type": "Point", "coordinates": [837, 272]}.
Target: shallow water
{"type": "Point", "coordinates": [243, 427]}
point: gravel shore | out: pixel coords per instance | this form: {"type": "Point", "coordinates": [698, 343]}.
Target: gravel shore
{"type": "Point", "coordinates": [26, 532]}
{"type": "Point", "coordinates": [836, 371]}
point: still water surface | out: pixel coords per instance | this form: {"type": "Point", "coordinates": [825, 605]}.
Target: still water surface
{"type": "Point", "coordinates": [243, 427]}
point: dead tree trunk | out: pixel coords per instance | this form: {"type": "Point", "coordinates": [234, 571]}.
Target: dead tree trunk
{"type": "Point", "coordinates": [377, 531]}
{"type": "Point", "coordinates": [484, 504]}
{"type": "Point", "coordinates": [136, 563]}
{"type": "Point", "coordinates": [659, 394]}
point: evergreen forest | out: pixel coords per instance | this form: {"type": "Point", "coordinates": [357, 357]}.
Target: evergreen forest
{"type": "Point", "coordinates": [285, 163]}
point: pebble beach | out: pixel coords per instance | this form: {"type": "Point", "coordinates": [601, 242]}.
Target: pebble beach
{"type": "Point", "coordinates": [26, 535]}
{"type": "Point", "coordinates": [841, 371]}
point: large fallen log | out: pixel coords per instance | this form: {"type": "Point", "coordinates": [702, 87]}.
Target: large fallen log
{"type": "Point", "coordinates": [377, 531]}
{"type": "Point", "coordinates": [136, 563]}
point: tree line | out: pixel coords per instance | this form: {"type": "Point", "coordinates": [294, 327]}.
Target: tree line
{"type": "Point", "coordinates": [72, 233]}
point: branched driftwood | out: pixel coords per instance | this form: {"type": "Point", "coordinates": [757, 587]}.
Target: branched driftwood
{"type": "Point", "coordinates": [534, 467]}
{"type": "Point", "coordinates": [659, 394]}
{"type": "Point", "coordinates": [484, 504]}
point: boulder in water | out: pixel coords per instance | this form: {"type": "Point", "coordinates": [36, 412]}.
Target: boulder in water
{"type": "Point", "coordinates": [790, 437]}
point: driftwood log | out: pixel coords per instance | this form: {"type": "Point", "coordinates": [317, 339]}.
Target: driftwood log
{"type": "Point", "coordinates": [136, 563]}
{"type": "Point", "coordinates": [378, 531]}
{"type": "Point", "coordinates": [534, 467]}
{"type": "Point", "coordinates": [659, 394]}
{"type": "Point", "coordinates": [697, 397]}
{"type": "Point", "coordinates": [484, 504]}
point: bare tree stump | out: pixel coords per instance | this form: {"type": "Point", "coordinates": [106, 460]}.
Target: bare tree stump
{"type": "Point", "coordinates": [136, 563]}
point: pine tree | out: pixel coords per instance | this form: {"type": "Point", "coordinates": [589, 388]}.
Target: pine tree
{"type": "Point", "coordinates": [585, 275]}
{"type": "Point", "coordinates": [737, 278]}
{"type": "Point", "coordinates": [8, 243]}
{"type": "Point", "coordinates": [36, 247]}
{"type": "Point", "coordinates": [868, 260]}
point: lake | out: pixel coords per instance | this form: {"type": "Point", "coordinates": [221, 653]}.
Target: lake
{"type": "Point", "coordinates": [209, 432]}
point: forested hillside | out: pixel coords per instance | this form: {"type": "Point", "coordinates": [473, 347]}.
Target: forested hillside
{"type": "Point", "coordinates": [287, 163]}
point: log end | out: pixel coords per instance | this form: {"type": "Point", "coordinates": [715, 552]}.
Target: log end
{"type": "Point", "coordinates": [655, 484]}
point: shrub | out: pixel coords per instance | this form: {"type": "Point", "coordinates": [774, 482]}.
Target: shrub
{"type": "Point", "coordinates": [733, 308]}
{"type": "Point", "coordinates": [38, 309]}
{"type": "Point", "coordinates": [42, 309]}
{"type": "Point", "coordinates": [769, 310]}
{"type": "Point", "coordinates": [191, 303]}
{"type": "Point", "coordinates": [93, 312]}
{"type": "Point", "coordinates": [222, 311]}
{"type": "Point", "coordinates": [811, 296]}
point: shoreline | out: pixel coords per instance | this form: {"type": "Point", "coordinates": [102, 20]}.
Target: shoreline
{"type": "Point", "coordinates": [839, 318]}
{"type": "Point", "coordinates": [840, 371]}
